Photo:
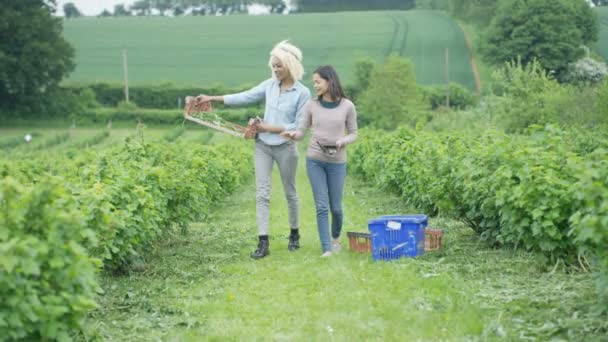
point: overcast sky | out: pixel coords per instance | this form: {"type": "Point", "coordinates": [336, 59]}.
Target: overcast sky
{"type": "Point", "coordinates": [92, 7]}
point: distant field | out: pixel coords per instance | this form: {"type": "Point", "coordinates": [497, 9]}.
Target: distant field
{"type": "Point", "coordinates": [233, 50]}
{"type": "Point", "coordinates": [602, 42]}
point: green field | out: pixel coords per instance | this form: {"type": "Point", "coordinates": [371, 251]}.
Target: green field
{"type": "Point", "coordinates": [602, 42]}
{"type": "Point", "coordinates": [233, 50]}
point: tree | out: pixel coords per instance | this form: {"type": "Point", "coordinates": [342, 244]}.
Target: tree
{"type": "Point", "coordinates": [586, 21]}
{"type": "Point", "coordinates": [392, 96]}
{"type": "Point", "coordinates": [178, 11]}
{"type": "Point", "coordinates": [71, 11]}
{"type": "Point", "coordinates": [535, 29]}
{"type": "Point", "coordinates": [163, 6]}
{"type": "Point", "coordinates": [353, 5]}
{"type": "Point", "coordinates": [141, 7]}
{"type": "Point", "coordinates": [478, 11]}
{"type": "Point", "coordinates": [121, 11]}
{"type": "Point", "coordinates": [104, 14]}
{"type": "Point", "coordinates": [34, 57]}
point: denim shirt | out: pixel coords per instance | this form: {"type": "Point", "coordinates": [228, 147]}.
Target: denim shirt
{"type": "Point", "coordinates": [282, 108]}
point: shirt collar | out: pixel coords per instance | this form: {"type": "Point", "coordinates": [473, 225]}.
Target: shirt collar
{"type": "Point", "coordinates": [292, 88]}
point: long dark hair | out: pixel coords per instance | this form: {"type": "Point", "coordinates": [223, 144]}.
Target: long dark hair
{"type": "Point", "coordinates": [328, 73]}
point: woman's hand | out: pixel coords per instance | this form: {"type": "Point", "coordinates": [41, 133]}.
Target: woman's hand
{"type": "Point", "coordinates": [340, 144]}
{"type": "Point", "coordinates": [204, 98]}
{"type": "Point", "coordinates": [291, 135]}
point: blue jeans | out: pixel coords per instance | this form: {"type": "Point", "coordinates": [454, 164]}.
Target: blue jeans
{"type": "Point", "coordinates": [327, 182]}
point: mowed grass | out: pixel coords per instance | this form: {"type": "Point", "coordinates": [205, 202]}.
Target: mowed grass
{"type": "Point", "coordinates": [204, 286]}
{"type": "Point", "coordinates": [233, 50]}
{"type": "Point", "coordinates": [602, 42]}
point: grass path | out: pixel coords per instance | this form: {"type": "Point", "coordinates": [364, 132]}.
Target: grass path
{"type": "Point", "coordinates": [204, 286]}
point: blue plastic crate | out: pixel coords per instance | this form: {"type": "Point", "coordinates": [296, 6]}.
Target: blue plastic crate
{"type": "Point", "coordinates": [396, 236]}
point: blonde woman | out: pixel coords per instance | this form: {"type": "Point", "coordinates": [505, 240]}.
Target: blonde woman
{"type": "Point", "coordinates": [285, 98]}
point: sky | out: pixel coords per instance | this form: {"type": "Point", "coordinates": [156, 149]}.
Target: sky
{"type": "Point", "coordinates": [92, 7]}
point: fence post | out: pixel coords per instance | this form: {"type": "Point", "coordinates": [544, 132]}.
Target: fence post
{"type": "Point", "coordinates": [126, 74]}
{"type": "Point", "coordinates": [447, 77]}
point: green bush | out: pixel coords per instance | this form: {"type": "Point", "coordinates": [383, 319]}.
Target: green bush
{"type": "Point", "coordinates": [476, 11]}
{"type": "Point", "coordinates": [47, 278]}
{"type": "Point", "coordinates": [363, 72]}
{"type": "Point", "coordinates": [392, 97]}
{"type": "Point", "coordinates": [544, 191]}
{"type": "Point", "coordinates": [460, 97]}
{"type": "Point", "coordinates": [441, 5]}
{"type": "Point", "coordinates": [586, 71]}
{"type": "Point", "coordinates": [513, 190]}
{"type": "Point", "coordinates": [524, 96]}
{"type": "Point", "coordinates": [603, 101]}
{"type": "Point", "coordinates": [590, 220]}
{"type": "Point", "coordinates": [113, 206]}
{"type": "Point", "coordinates": [473, 119]}
{"type": "Point", "coordinates": [158, 96]}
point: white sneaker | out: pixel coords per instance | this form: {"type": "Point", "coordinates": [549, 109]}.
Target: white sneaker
{"type": "Point", "coordinates": [336, 245]}
{"type": "Point", "coordinates": [326, 254]}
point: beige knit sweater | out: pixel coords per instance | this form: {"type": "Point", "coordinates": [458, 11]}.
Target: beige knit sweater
{"type": "Point", "coordinates": [328, 126]}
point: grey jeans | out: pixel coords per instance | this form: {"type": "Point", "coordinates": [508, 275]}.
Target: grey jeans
{"type": "Point", "coordinates": [286, 156]}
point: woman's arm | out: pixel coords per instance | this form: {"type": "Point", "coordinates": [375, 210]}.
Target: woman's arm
{"type": "Point", "coordinates": [266, 127]}
{"type": "Point", "coordinates": [253, 95]}
{"type": "Point", "coordinates": [304, 123]}
{"type": "Point", "coordinates": [207, 98]}
{"type": "Point", "coordinates": [351, 128]}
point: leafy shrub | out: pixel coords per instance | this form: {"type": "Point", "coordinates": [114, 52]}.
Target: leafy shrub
{"type": "Point", "coordinates": [545, 191]}
{"type": "Point", "coordinates": [363, 73]}
{"type": "Point", "coordinates": [392, 97]}
{"type": "Point", "coordinates": [586, 71]}
{"type": "Point", "coordinates": [589, 221]}
{"type": "Point", "coordinates": [527, 95]}
{"type": "Point", "coordinates": [113, 206]}
{"type": "Point", "coordinates": [159, 96]}
{"type": "Point", "coordinates": [460, 97]}
{"type": "Point", "coordinates": [441, 5]}
{"type": "Point", "coordinates": [47, 279]}
{"type": "Point", "coordinates": [514, 190]}
{"type": "Point", "coordinates": [603, 100]}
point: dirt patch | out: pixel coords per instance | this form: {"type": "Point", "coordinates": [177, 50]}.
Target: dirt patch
{"type": "Point", "coordinates": [472, 58]}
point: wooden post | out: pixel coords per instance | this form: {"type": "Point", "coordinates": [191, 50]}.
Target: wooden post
{"type": "Point", "coordinates": [126, 74]}
{"type": "Point", "coordinates": [447, 77]}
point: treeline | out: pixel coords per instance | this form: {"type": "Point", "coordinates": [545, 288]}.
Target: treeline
{"type": "Point", "coordinates": [179, 8]}
{"type": "Point", "coordinates": [353, 5]}
{"type": "Point", "coordinates": [215, 7]}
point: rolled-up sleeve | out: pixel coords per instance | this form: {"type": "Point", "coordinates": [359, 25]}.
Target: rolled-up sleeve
{"type": "Point", "coordinates": [301, 104]}
{"type": "Point", "coordinates": [253, 95]}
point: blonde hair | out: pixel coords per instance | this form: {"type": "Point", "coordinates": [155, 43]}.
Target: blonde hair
{"type": "Point", "coordinates": [290, 56]}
